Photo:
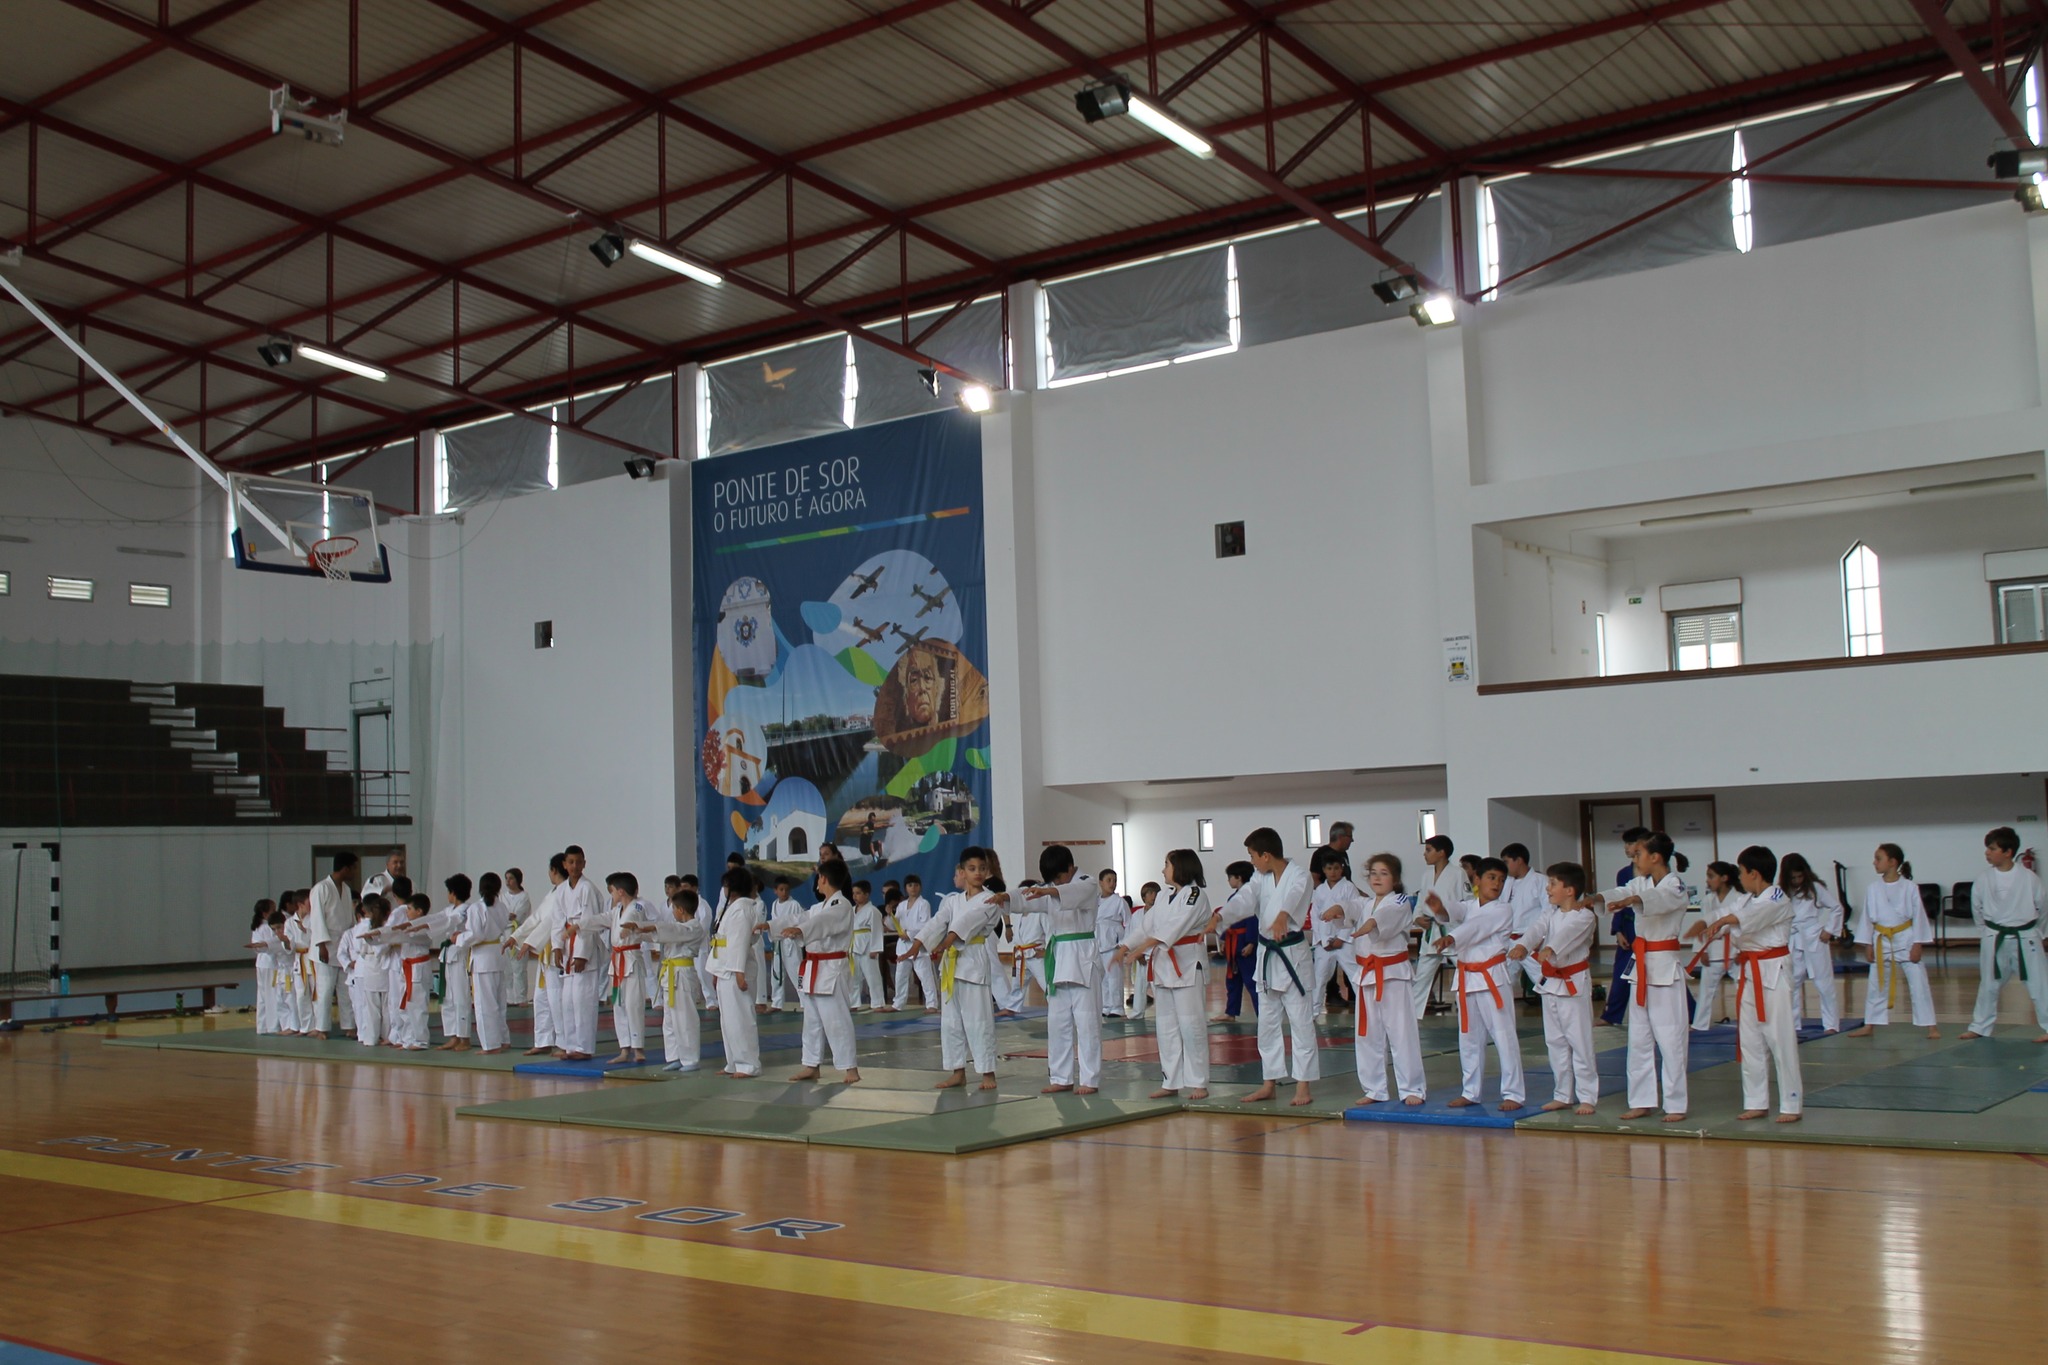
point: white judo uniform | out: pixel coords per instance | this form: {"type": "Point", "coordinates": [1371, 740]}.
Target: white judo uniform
{"type": "Point", "coordinates": [1073, 1001]}
{"type": "Point", "coordinates": [1893, 922]}
{"type": "Point", "coordinates": [537, 936]}
{"type": "Point", "coordinates": [786, 955]}
{"type": "Point", "coordinates": [520, 973]}
{"type": "Point", "coordinates": [1814, 960]}
{"type": "Point", "coordinates": [457, 1019]}
{"type": "Point", "coordinates": [1177, 924]}
{"type": "Point", "coordinates": [1027, 940]}
{"type": "Point", "coordinates": [824, 986]}
{"type": "Point", "coordinates": [1286, 977]}
{"type": "Point", "coordinates": [1387, 1027]}
{"type": "Point", "coordinates": [412, 973]}
{"type": "Point", "coordinates": [1658, 1026]}
{"type": "Point", "coordinates": [2007, 908]}
{"type": "Point", "coordinates": [732, 955]}
{"type": "Point", "coordinates": [583, 921]}
{"type": "Point", "coordinates": [967, 1026]}
{"type": "Point", "coordinates": [682, 948]}
{"type": "Point", "coordinates": [328, 916]}
{"type": "Point", "coordinates": [304, 983]}
{"type": "Point", "coordinates": [1767, 1025]}
{"type": "Point", "coordinates": [1716, 959]}
{"type": "Point", "coordinates": [864, 982]}
{"type": "Point", "coordinates": [1112, 922]}
{"type": "Point", "coordinates": [1529, 894]}
{"type": "Point", "coordinates": [1003, 981]}
{"type": "Point", "coordinates": [482, 947]}
{"type": "Point", "coordinates": [1566, 987]}
{"type": "Point", "coordinates": [911, 918]}
{"type": "Point", "coordinates": [271, 981]}
{"type": "Point", "coordinates": [632, 971]}
{"type": "Point", "coordinates": [1332, 938]}
{"type": "Point", "coordinates": [1486, 999]}
{"type": "Point", "coordinates": [372, 987]}
{"type": "Point", "coordinates": [1449, 885]}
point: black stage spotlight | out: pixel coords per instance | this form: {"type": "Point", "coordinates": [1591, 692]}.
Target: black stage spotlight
{"type": "Point", "coordinates": [2014, 164]}
{"type": "Point", "coordinates": [608, 249]}
{"type": "Point", "coordinates": [639, 467]}
{"type": "Point", "coordinates": [1393, 288]}
{"type": "Point", "coordinates": [1099, 102]}
{"type": "Point", "coordinates": [275, 353]}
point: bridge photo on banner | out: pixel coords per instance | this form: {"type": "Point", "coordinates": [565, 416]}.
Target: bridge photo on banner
{"type": "Point", "coordinates": [842, 651]}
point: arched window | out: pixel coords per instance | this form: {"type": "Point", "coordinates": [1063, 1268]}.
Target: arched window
{"type": "Point", "coordinates": [1862, 613]}
{"type": "Point", "coordinates": [799, 840]}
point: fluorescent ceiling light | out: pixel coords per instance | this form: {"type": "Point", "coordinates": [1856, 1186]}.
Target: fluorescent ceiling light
{"type": "Point", "coordinates": [1170, 128]}
{"type": "Point", "coordinates": [668, 260]}
{"type": "Point", "coordinates": [342, 362]}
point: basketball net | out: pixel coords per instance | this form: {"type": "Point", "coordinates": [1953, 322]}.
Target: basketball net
{"type": "Point", "coordinates": [329, 556]}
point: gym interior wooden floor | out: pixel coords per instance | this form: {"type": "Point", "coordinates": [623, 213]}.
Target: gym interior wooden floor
{"type": "Point", "coordinates": [129, 1177]}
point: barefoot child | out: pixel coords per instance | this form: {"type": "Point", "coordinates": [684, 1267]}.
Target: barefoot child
{"type": "Point", "coordinates": [1892, 930]}
{"type": "Point", "coordinates": [1766, 1026]}
{"type": "Point", "coordinates": [1561, 944]}
{"type": "Point", "coordinates": [1286, 971]}
{"type": "Point", "coordinates": [824, 934]}
{"type": "Point", "coordinates": [866, 987]}
{"type": "Point", "coordinates": [732, 952]}
{"type": "Point", "coordinates": [632, 930]}
{"type": "Point", "coordinates": [483, 943]}
{"type": "Point", "coordinates": [1716, 957]}
{"type": "Point", "coordinates": [2006, 903]}
{"type": "Point", "coordinates": [373, 972]}
{"type": "Point", "coordinates": [1072, 999]}
{"type": "Point", "coordinates": [1659, 1024]}
{"type": "Point", "coordinates": [1485, 994]}
{"type": "Point", "coordinates": [263, 942]}
{"type": "Point", "coordinates": [1165, 952]}
{"type": "Point", "coordinates": [680, 941]}
{"type": "Point", "coordinates": [957, 936]}
{"type": "Point", "coordinates": [1333, 912]}
{"type": "Point", "coordinates": [1387, 1026]}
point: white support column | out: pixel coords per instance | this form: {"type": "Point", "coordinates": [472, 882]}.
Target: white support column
{"type": "Point", "coordinates": [1010, 563]}
{"type": "Point", "coordinates": [1455, 459]}
{"type": "Point", "coordinates": [423, 448]}
{"type": "Point", "coordinates": [689, 411]}
{"type": "Point", "coordinates": [1027, 336]}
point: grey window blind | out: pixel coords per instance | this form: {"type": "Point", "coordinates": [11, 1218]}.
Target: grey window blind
{"type": "Point", "coordinates": [387, 475]}
{"type": "Point", "coordinates": [500, 458]}
{"type": "Point", "coordinates": [1142, 313]}
{"type": "Point", "coordinates": [1940, 133]}
{"type": "Point", "coordinates": [645, 416]}
{"type": "Point", "coordinates": [1537, 216]}
{"type": "Point", "coordinates": [1309, 279]}
{"type": "Point", "coordinates": [781, 396]}
{"type": "Point", "coordinates": [890, 386]}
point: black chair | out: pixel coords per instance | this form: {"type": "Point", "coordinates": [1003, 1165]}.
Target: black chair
{"type": "Point", "coordinates": [1930, 901]}
{"type": "Point", "coordinates": [1956, 907]}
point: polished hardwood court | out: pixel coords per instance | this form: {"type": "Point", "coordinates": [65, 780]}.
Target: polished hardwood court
{"type": "Point", "coordinates": [171, 1207]}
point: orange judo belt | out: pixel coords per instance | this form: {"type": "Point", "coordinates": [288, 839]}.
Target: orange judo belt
{"type": "Point", "coordinates": [1376, 967]}
{"type": "Point", "coordinates": [1485, 971]}
{"type": "Point", "coordinates": [1747, 969]}
{"type": "Point", "coordinates": [1177, 943]}
{"type": "Point", "coordinates": [1551, 972]}
{"type": "Point", "coordinates": [409, 963]}
{"type": "Point", "coordinates": [1649, 945]}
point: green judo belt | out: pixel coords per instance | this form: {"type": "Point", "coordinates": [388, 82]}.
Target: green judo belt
{"type": "Point", "coordinates": [2002, 932]}
{"type": "Point", "coordinates": [1052, 950]}
{"type": "Point", "coordinates": [1274, 948]}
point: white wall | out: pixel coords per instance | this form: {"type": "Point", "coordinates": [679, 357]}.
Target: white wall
{"type": "Point", "coordinates": [1910, 322]}
{"type": "Point", "coordinates": [1159, 660]}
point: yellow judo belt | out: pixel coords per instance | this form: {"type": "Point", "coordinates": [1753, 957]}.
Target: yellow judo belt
{"type": "Point", "coordinates": [670, 967]}
{"type": "Point", "coordinates": [952, 959]}
{"type": "Point", "coordinates": [1887, 968]}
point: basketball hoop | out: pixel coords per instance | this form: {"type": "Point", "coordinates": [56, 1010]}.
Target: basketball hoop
{"type": "Point", "coordinates": [327, 556]}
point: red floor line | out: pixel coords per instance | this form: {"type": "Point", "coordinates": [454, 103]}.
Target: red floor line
{"type": "Point", "coordinates": [58, 1350]}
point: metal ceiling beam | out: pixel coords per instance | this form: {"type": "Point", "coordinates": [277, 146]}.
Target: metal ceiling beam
{"type": "Point", "coordinates": [1935, 17]}
{"type": "Point", "coordinates": [198, 23]}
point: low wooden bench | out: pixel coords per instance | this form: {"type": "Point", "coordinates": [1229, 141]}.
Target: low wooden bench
{"type": "Point", "coordinates": [208, 995]}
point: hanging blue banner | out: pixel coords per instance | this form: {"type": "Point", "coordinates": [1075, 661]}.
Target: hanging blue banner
{"type": "Point", "coordinates": [842, 652]}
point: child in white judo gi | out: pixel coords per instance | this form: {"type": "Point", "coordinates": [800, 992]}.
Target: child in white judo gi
{"type": "Point", "coordinates": [1561, 946]}
{"type": "Point", "coordinates": [784, 951]}
{"type": "Point", "coordinates": [732, 955]}
{"type": "Point", "coordinates": [1486, 1000]}
{"type": "Point", "coordinates": [681, 939]}
{"type": "Point", "coordinates": [822, 937]}
{"type": "Point", "coordinates": [1387, 1028]}
{"type": "Point", "coordinates": [1816, 924]}
{"type": "Point", "coordinates": [1112, 922]}
{"type": "Point", "coordinates": [2006, 904]}
{"type": "Point", "coordinates": [911, 916]}
{"type": "Point", "coordinates": [957, 937]}
{"type": "Point", "coordinates": [1286, 970]}
{"type": "Point", "coordinates": [1447, 879]}
{"type": "Point", "coordinates": [536, 940]}
{"type": "Point", "coordinates": [865, 980]}
{"type": "Point", "coordinates": [1893, 930]}
{"type": "Point", "coordinates": [1716, 957]}
{"type": "Point", "coordinates": [520, 971]}
{"type": "Point", "coordinates": [482, 944]}
{"type": "Point", "coordinates": [1334, 911]}
{"type": "Point", "coordinates": [632, 930]}
{"type": "Point", "coordinates": [1766, 1025]}
{"type": "Point", "coordinates": [583, 922]}
{"type": "Point", "coordinates": [373, 972]}
{"type": "Point", "coordinates": [1165, 952]}
{"type": "Point", "coordinates": [1073, 1000]}
{"type": "Point", "coordinates": [263, 942]}
{"type": "Point", "coordinates": [1659, 1026]}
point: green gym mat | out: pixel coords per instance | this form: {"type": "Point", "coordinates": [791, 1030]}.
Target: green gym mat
{"type": "Point", "coordinates": [891, 1108]}
{"type": "Point", "coordinates": [1961, 1078]}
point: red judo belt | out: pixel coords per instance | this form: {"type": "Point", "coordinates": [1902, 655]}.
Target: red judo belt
{"type": "Point", "coordinates": [1484, 969]}
{"type": "Point", "coordinates": [1552, 972]}
{"type": "Point", "coordinates": [1177, 943]}
{"type": "Point", "coordinates": [1649, 945]}
{"type": "Point", "coordinates": [1749, 967]}
{"type": "Point", "coordinates": [1376, 967]}
{"type": "Point", "coordinates": [809, 971]}
{"type": "Point", "coordinates": [409, 963]}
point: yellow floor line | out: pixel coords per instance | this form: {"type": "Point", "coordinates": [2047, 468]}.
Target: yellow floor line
{"type": "Point", "coordinates": [1273, 1336]}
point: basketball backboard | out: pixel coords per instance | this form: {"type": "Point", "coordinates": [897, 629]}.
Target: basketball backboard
{"type": "Point", "coordinates": [328, 531]}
